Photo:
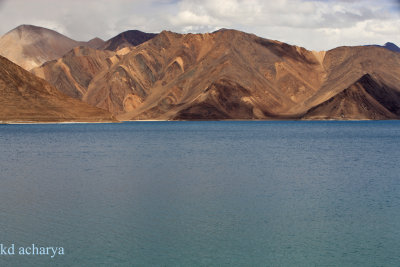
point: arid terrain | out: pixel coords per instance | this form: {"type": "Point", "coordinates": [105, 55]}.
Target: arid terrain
{"type": "Point", "coordinates": [30, 46]}
{"type": "Point", "coordinates": [226, 74]}
{"type": "Point", "coordinates": [26, 98]}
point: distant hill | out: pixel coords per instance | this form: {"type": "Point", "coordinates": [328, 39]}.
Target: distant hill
{"type": "Point", "coordinates": [26, 98]}
{"type": "Point", "coordinates": [30, 46]}
{"type": "Point", "coordinates": [390, 46]}
{"type": "Point", "coordinates": [128, 38]}
{"type": "Point", "coordinates": [95, 43]}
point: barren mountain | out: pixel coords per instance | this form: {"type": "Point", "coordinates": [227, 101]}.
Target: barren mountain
{"type": "Point", "coordinates": [95, 43]}
{"type": "Point", "coordinates": [126, 39]}
{"type": "Point", "coordinates": [365, 99]}
{"type": "Point", "coordinates": [26, 98]}
{"type": "Point", "coordinates": [30, 46]}
{"type": "Point", "coordinates": [234, 75]}
{"type": "Point", "coordinates": [346, 66]}
{"type": "Point", "coordinates": [390, 46]}
{"type": "Point", "coordinates": [72, 73]}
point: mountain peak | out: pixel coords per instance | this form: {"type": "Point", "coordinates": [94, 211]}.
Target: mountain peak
{"type": "Point", "coordinates": [26, 29]}
{"type": "Point", "coordinates": [95, 43]}
{"type": "Point", "coordinates": [223, 30]}
{"type": "Point", "coordinates": [392, 47]}
{"type": "Point", "coordinates": [96, 39]}
{"type": "Point", "coordinates": [127, 38]}
{"type": "Point", "coordinates": [30, 46]}
{"type": "Point", "coordinates": [24, 26]}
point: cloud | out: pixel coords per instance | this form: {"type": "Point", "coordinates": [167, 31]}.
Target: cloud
{"type": "Point", "coordinates": [397, 4]}
{"type": "Point", "coordinates": [291, 13]}
{"type": "Point", "coordinates": [81, 20]}
{"type": "Point", "coordinates": [314, 24]}
{"type": "Point", "coordinates": [317, 24]}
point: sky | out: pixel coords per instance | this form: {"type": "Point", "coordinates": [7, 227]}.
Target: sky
{"type": "Point", "coordinates": [313, 24]}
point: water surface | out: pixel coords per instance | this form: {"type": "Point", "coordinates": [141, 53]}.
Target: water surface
{"type": "Point", "coordinates": [202, 193]}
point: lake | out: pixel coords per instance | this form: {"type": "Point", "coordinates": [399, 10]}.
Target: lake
{"type": "Point", "coordinates": [202, 193]}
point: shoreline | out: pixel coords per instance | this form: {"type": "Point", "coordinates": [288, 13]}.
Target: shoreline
{"type": "Point", "coordinates": [61, 122]}
{"type": "Point", "coordinates": [116, 122]}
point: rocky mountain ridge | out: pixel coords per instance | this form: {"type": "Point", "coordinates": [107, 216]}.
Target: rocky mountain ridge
{"type": "Point", "coordinates": [227, 74]}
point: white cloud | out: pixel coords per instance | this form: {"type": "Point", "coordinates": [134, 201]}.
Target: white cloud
{"type": "Point", "coordinates": [310, 23]}
{"type": "Point", "coordinates": [314, 24]}
{"type": "Point", "coordinates": [187, 17]}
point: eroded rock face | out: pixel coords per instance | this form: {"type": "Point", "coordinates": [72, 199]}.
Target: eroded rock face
{"type": "Point", "coordinates": [228, 75]}
{"type": "Point", "coordinates": [27, 98]}
{"type": "Point", "coordinates": [73, 72]}
{"type": "Point", "coordinates": [365, 99]}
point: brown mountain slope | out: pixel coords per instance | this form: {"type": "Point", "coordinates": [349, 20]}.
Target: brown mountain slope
{"type": "Point", "coordinates": [345, 65]}
{"type": "Point", "coordinates": [126, 39]}
{"type": "Point", "coordinates": [365, 99]}
{"type": "Point", "coordinates": [229, 75]}
{"type": "Point", "coordinates": [95, 43]}
{"type": "Point", "coordinates": [26, 98]}
{"type": "Point", "coordinates": [30, 46]}
{"type": "Point", "coordinates": [72, 73]}
{"type": "Point", "coordinates": [172, 72]}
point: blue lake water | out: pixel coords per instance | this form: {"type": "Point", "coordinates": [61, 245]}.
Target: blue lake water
{"type": "Point", "coordinates": [202, 193]}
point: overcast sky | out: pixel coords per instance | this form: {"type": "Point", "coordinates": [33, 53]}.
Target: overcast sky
{"type": "Point", "coordinates": [314, 24]}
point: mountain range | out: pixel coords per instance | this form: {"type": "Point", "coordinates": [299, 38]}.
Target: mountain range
{"type": "Point", "coordinates": [226, 74]}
